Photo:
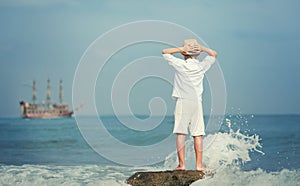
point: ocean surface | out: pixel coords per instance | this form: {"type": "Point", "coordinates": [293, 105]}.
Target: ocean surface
{"type": "Point", "coordinates": [247, 150]}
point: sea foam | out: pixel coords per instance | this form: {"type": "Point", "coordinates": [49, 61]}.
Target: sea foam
{"type": "Point", "coordinates": [225, 156]}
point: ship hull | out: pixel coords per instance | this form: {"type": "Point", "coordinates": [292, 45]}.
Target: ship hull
{"type": "Point", "coordinates": [50, 111]}
{"type": "Point", "coordinates": [47, 116]}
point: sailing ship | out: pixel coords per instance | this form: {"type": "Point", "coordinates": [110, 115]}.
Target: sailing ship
{"type": "Point", "coordinates": [47, 109]}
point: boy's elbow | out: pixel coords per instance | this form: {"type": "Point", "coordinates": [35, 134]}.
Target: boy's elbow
{"type": "Point", "coordinates": [214, 54]}
{"type": "Point", "coordinates": [163, 51]}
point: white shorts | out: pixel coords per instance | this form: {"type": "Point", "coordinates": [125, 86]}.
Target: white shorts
{"type": "Point", "coordinates": [189, 114]}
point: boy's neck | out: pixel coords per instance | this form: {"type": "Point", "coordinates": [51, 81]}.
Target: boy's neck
{"type": "Point", "coordinates": [189, 57]}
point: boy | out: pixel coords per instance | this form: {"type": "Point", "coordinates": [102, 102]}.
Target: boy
{"type": "Point", "coordinates": [187, 89]}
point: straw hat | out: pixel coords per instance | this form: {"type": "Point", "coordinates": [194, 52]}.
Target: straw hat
{"type": "Point", "coordinates": [191, 47]}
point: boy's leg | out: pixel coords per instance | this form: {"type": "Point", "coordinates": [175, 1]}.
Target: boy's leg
{"type": "Point", "coordinates": [199, 153]}
{"type": "Point", "coordinates": [180, 145]}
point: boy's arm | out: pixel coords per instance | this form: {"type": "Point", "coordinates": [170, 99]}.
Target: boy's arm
{"type": "Point", "coordinates": [181, 50]}
{"type": "Point", "coordinates": [209, 51]}
{"type": "Point", "coordinates": [172, 50]}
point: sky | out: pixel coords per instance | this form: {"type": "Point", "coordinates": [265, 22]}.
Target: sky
{"type": "Point", "coordinates": [257, 42]}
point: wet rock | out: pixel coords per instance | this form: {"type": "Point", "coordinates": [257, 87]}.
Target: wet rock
{"type": "Point", "coordinates": [165, 178]}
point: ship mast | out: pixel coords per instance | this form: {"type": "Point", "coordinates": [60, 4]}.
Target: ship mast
{"type": "Point", "coordinates": [34, 93]}
{"type": "Point", "coordinates": [48, 93]}
{"type": "Point", "coordinates": [60, 91]}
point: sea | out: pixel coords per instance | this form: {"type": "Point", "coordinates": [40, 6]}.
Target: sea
{"type": "Point", "coordinates": [245, 150]}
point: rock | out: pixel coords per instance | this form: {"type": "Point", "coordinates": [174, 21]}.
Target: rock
{"type": "Point", "coordinates": [165, 178]}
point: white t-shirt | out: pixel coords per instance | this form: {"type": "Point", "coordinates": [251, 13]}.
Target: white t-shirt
{"type": "Point", "coordinates": [189, 74]}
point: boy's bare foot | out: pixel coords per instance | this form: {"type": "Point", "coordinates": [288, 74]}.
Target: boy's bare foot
{"type": "Point", "coordinates": [200, 168]}
{"type": "Point", "coordinates": [181, 168]}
